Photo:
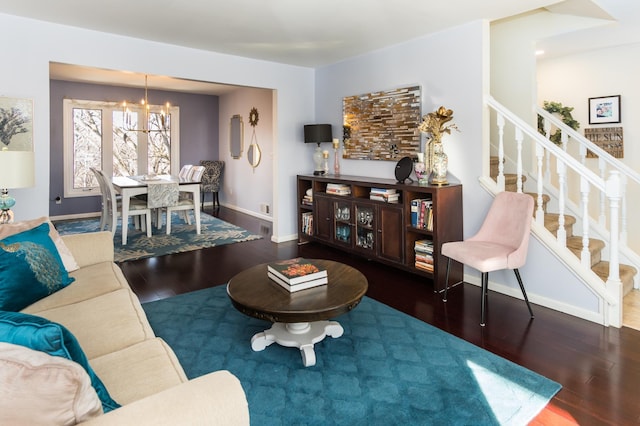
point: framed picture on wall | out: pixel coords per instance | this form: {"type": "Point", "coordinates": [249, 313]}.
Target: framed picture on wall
{"type": "Point", "coordinates": [605, 109]}
{"type": "Point", "coordinates": [16, 124]}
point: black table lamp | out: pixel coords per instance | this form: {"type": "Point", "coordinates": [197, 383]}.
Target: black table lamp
{"type": "Point", "coordinates": [318, 133]}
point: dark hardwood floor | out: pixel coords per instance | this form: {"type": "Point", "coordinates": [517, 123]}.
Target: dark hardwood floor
{"type": "Point", "coordinates": [598, 367]}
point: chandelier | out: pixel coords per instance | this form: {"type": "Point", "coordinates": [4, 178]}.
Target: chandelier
{"type": "Point", "coordinates": [128, 121]}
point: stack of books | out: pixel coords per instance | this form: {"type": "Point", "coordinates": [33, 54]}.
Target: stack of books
{"type": "Point", "coordinates": [387, 195]}
{"type": "Point", "coordinates": [307, 223]}
{"type": "Point", "coordinates": [307, 199]}
{"type": "Point", "coordinates": [338, 189]}
{"type": "Point", "coordinates": [424, 255]}
{"type": "Point", "coordinates": [297, 274]}
{"type": "Point", "coordinates": [422, 213]}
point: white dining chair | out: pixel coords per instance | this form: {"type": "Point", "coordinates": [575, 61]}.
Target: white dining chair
{"type": "Point", "coordinates": [112, 207]}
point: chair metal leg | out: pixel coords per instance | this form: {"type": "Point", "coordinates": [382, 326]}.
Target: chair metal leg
{"type": "Point", "coordinates": [483, 303]}
{"type": "Point", "coordinates": [524, 293]}
{"type": "Point", "coordinates": [446, 281]}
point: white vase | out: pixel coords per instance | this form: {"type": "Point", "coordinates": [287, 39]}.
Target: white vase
{"type": "Point", "coordinates": [439, 166]}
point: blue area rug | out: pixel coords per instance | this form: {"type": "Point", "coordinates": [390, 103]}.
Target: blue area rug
{"type": "Point", "coordinates": [213, 232]}
{"type": "Point", "coordinates": [388, 368]}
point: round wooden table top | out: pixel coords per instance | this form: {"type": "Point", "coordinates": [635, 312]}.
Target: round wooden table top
{"type": "Point", "coordinates": [254, 294]}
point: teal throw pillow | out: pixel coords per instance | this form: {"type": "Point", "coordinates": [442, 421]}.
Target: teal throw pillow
{"type": "Point", "coordinates": [30, 268]}
{"type": "Point", "coordinates": [40, 334]}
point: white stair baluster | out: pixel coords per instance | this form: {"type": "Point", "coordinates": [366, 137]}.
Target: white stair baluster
{"type": "Point", "coordinates": [500, 178]}
{"type": "Point", "coordinates": [539, 209]}
{"type": "Point", "coordinates": [562, 180]}
{"type": "Point", "coordinates": [519, 138]}
{"type": "Point", "coordinates": [585, 255]}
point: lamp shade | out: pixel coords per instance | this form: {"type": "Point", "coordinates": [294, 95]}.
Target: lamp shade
{"type": "Point", "coordinates": [17, 169]}
{"type": "Point", "coordinates": [317, 133]}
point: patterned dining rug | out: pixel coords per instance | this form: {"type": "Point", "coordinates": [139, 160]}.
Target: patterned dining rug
{"type": "Point", "coordinates": [388, 368]}
{"type": "Point", "coordinates": [183, 237]}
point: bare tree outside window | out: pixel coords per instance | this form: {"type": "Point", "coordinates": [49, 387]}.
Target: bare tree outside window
{"type": "Point", "coordinates": [94, 137]}
{"type": "Point", "coordinates": [159, 150]}
{"type": "Point", "coordinates": [87, 139]}
{"type": "Point", "coordinates": [125, 146]}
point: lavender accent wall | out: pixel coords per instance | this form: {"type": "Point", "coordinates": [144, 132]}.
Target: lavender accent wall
{"type": "Point", "coordinates": [199, 124]}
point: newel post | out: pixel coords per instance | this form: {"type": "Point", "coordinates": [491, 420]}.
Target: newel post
{"type": "Point", "coordinates": [613, 284]}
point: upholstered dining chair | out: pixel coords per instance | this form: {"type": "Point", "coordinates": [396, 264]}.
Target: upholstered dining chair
{"type": "Point", "coordinates": [211, 180]}
{"type": "Point", "coordinates": [501, 243]}
{"type": "Point", "coordinates": [184, 171]}
{"type": "Point", "coordinates": [186, 201]}
{"type": "Point", "coordinates": [112, 207]}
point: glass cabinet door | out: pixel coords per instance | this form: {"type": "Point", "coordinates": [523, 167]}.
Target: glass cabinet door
{"type": "Point", "coordinates": [365, 227]}
{"type": "Point", "coordinates": [342, 222]}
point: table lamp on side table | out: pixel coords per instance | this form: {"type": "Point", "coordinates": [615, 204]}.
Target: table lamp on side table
{"type": "Point", "coordinates": [318, 133]}
{"type": "Point", "coordinates": [16, 171]}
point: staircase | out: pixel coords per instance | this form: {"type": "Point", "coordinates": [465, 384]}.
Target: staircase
{"type": "Point", "coordinates": [574, 243]}
{"type": "Point", "coordinates": [580, 213]}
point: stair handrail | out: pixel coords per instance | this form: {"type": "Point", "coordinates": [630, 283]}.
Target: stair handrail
{"type": "Point", "coordinates": [611, 187]}
{"type": "Point", "coordinates": [602, 154]}
{"type": "Point", "coordinates": [546, 143]}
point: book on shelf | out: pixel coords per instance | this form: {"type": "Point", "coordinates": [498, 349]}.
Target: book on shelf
{"type": "Point", "coordinates": [338, 189]}
{"type": "Point", "coordinates": [424, 266]}
{"type": "Point", "coordinates": [424, 246]}
{"type": "Point", "coordinates": [387, 191]}
{"type": "Point", "coordinates": [296, 271]}
{"type": "Point", "coordinates": [387, 198]}
{"type": "Point", "coordinates": [307, 200]}
{"type": "Point", "coordinates": [424, 258]}
{"type": "Point", "coordinates": [307, 223]}
{"type": "Point", "coordinates": [422, 213]}
{"type": "Point", "coordinates": [297, 287]}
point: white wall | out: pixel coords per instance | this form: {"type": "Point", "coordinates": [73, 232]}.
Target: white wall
{"type": "Point", "coordinates": [448, 67]}
{"type": "Point", "coordinates": [246, 188]}
{"type": "Point", "coordinates": [573, 79]}
{"type": "Point", "coordinates": [31, 45]}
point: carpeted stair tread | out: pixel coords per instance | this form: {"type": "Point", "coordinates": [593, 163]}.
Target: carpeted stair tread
{"type": "Point", "coordinates": [552, 224]}
{"type": "Point", "coordinates": [626, 275]}
{"type": "Point", "coordinates": [545, 201]}
{"type": "Point", "coordinates": [595, 248]}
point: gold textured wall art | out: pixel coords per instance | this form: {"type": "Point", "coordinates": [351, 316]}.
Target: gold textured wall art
{"type": "Point", "coordinates": [382, 125]}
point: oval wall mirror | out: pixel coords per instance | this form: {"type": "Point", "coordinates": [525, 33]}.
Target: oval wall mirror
{"type": "Point", "coordinates": [254, 155]}
{"type": "Point", "coordinates": [236, 135]}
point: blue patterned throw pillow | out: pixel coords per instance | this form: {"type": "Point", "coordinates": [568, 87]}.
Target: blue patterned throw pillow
{"type": "Point", "coordinates": [30, 268]}
{"type": "Point", "coordinates": [40, 334]}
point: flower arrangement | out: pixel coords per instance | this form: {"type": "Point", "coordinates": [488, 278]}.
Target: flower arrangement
{"type": "Point", "coordinates": [437, 123]}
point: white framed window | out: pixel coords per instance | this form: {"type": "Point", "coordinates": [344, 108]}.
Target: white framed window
{"type": "Point", "coordinates": [94, 136]}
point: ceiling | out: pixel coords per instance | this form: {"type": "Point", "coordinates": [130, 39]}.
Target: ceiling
{"type": "Point", "coordinates": [309, 33]}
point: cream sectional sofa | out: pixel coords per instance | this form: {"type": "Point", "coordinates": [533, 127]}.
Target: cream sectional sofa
{"type": "Point", "coordinates": [139, 370]}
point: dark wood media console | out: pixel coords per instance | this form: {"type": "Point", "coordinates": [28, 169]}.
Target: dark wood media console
{"type": "Point", "coordinates": [340, 213]}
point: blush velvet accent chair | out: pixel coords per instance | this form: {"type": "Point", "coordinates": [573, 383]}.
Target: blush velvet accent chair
{"type": "Point", "coordinates": [501, 243]}
{"type": "Point", "coordinates": [211, 180]}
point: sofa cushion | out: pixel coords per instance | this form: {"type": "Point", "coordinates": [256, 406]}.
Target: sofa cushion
{"type": "Point", "coordinates": [140, 370]}
{"type": "Point", "coordinates": [90, 281]}
{"type": "Point", "coordinates": [39, 389]}
{"type": "Point", "coordinates": [30, 268]}
{"type": "Point", "coordinates": [68, 260]}
{"type": "Point", "coordinates": [40, 334]}
{"type": "Point", "coordinates": [104, 323]}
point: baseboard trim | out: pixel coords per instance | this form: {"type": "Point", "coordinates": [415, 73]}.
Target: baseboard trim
{"type": "Point", "coordinates": [546, 302]}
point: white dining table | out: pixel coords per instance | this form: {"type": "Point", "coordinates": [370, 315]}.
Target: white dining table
{"type": "Point", "coordinates": [130, 186]}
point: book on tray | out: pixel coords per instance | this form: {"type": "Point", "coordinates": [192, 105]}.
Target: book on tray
{"type": "Point", "coordinates": [296, 271]}
{"type": "Point", "coordinates": [297, 287]}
